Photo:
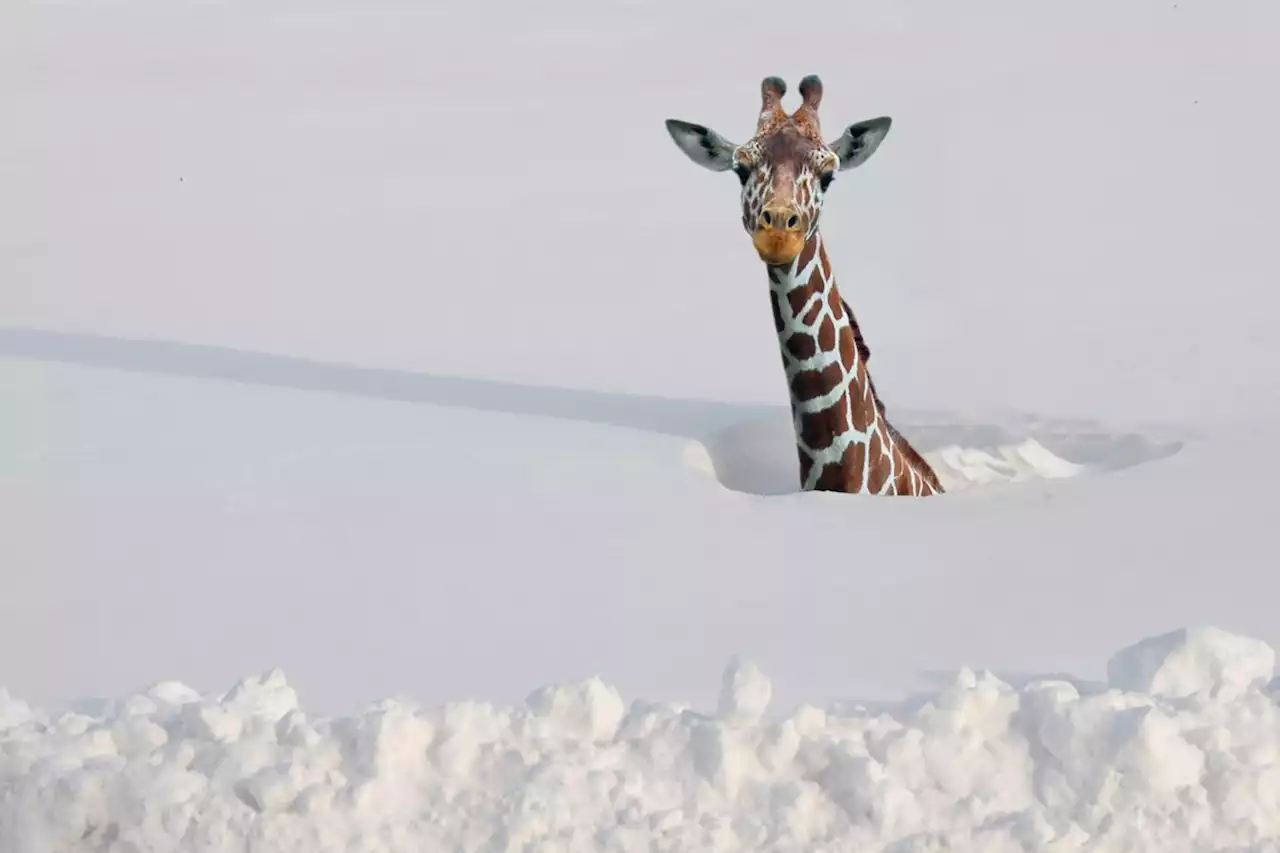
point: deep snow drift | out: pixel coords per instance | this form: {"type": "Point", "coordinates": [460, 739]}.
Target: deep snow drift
{"type": "Point", "coordinates": [1177, 753]}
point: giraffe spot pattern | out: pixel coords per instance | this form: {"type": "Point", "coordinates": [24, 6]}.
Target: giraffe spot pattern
{"type": "Point", "coordinates": [843, 441]}
{"type": "Point", "coordinates": [800, 345]}
{"type": "Point", "coordinates": [799, 299]}
{"type": "Point", "coordinates": [806, 254]}
{"type": "Point", "coordinates": [820, 429]}
{"type": "Point", "coordinates": [827, 335]}
{"type": "Point", "coordinates": [881, 464]}
{"type": "Point", "coordinates": [848, 346]}
{"type": "Point", "coordinates": [836, 304]}
{"type": "Point", "coordinates": [815, 311]}
{"type": "Point", "coordinates": [813, 384]}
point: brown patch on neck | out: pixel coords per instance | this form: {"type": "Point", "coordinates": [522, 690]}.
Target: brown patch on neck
{"type": "Point", "coordinates": [806, 254]}
{"type": "Point", "coordinates": [810, 384]}
{"type": "Point", "coordinates": [864, 405]}
{"type": "Point", "coordinates": [800, 345]}
{"type": "Point", "coordinates": [819, 429]}
{"type": "Point", "coordinates": [827, 335]}
{"type": "Point", "coordinates": [836, 303]}
{"type": "Point", "coordinates": [800, 297]}
{"type": "Point", "coordinates": [887, 454]}
{"type": "Point", "coordinates": [881, 463]}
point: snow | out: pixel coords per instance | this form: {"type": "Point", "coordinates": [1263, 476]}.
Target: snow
{"type": "Point", "coordinates": [977, 765]}
{"type": "Point", "coordinates": [394, 348]}
{"type": "Point", "coordinates": [1182, 663]}
{"type": "Point", "coordinates": [745, 693]}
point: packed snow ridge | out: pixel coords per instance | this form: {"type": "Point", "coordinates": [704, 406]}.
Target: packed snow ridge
{"type": "Point", "coordinates": [1178, 752]}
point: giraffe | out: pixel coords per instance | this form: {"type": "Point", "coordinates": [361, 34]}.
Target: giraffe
{"type": "Point", "coordinates": [844, 439]}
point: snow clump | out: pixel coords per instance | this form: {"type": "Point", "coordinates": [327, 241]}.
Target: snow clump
{"type": "Point", "coordinates": [1178, 754]}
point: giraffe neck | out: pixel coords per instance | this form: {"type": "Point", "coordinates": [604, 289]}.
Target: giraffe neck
{"type": "Point", "coordinates": [844, 441]}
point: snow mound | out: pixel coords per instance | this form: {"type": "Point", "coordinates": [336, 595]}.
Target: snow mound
{"type": "Point", "coordinates": [1167, 759]}
{"type": "Point", "coordinates": [758, 456]}
{"type": "Point", "coordinates": [1185, 662]}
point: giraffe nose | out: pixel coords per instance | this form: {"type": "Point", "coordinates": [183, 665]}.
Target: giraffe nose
{"type": "Point", "coordinates": [778, 237]}
{"type": "Point", "coordinates": [779, 218]}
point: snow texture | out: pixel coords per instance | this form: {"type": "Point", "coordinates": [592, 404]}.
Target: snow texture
{"type": "Point", "coordinates": [978, 766]}
{"type": "Point", "coordinates": [393, 346]}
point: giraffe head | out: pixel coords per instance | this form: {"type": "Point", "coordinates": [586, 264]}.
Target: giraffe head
{"type": "Point", "coordinates": [785, 169]}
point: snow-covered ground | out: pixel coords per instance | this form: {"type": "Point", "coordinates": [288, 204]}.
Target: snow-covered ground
{"type": "Point", "coordinates": [392, 350]}
{"type": "Point", "coordinates": [1178, 752]}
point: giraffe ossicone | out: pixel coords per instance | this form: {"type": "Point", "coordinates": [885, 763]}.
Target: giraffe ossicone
{"type": "Point", "coordinates": [844, 439]}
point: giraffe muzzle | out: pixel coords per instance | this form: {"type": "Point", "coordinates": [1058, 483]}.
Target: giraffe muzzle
{"type": "Point", "coordinates": [779, 235]}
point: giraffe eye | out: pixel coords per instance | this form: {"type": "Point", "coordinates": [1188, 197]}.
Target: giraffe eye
{"type": "Point", "coordinates": [825, 179]}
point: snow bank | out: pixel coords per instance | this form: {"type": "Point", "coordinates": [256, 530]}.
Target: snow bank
{"type": "Point", "coordinates": [1179, 754]}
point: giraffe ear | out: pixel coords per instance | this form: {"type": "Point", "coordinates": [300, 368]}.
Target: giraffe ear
{"type": "Point", "coordinates": [702, 145]}
{"type": "Point", "coordinates": [859, 141]}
